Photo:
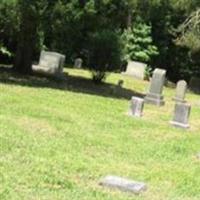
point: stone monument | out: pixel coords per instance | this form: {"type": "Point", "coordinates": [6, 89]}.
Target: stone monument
{"type": "Point", "coordinates": [50, 63]}
{"type": "Point", "coordinates": [181, 115]}
{"type": "Point", "coordinates": [154, 96]}
{"type": "Point", "coordinates": [136, 108]}
{"type": "Point", "coordinates": [136, 69]}
{"type": "Point", "coordinates": [78, 63]}
{"type": "Point", "coordinates": [181, 90]}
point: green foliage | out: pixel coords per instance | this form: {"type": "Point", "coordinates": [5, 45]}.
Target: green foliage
{"type": "Point", "coordinates": [103, 53]}
{"type": "Point", "coordinates": [5, 51]}
{"type": "Point", "coordinates": [138, 43]}
{"type": "Point", "coordinates": [8, 27]}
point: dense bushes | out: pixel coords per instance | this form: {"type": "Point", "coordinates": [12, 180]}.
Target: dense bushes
{"type": "Point", "coordinates": [104, 53]}
{"type": "Point", "coordinates": [71, 27]}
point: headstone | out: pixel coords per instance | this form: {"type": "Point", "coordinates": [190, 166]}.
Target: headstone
{"type": "Point", "coordinates": [181, 90]}
{"type": "Point", "coordinates": [123, 184]}
{"type": "Point", "coordinates": [50, 63]}
{"type": "Point", "coordinates": [136, 108]}
{"type": "Point", "coordinates": [194, 84]}
{"type": "Point", "coordinates": [181, 115]}
{"type": "Point", "coordinates": [78, 63]}
{"type": "Point", "coordinates": [154, 96]}
{"type": "Point", "coordinates": [136, 69]}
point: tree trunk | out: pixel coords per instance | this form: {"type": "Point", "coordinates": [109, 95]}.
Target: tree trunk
{"type": "Point", "coordinates": [26, 41]}
{"type": "Point", "coordinates": [129, 18]}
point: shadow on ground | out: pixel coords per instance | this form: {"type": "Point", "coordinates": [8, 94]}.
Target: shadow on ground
{"type": "Point", "coordinates": [69, 83]}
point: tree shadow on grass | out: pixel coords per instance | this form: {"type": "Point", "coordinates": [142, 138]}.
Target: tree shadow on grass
{"type": "Point", "coordinates": [71, 83]}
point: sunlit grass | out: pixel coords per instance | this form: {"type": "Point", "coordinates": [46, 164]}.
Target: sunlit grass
{"type": "Point", "coordinates": [57, 139]}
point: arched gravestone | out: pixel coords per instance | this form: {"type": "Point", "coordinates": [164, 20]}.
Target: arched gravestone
{"type": "Point", "coordinates": [181, 89]}
{"type": "Point", "coordinates": [154, 96]}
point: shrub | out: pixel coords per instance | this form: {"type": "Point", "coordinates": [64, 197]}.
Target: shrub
{"type": "Point", "coordinates": [104, 53]}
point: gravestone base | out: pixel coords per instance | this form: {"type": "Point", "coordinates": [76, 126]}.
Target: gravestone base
{"type": "Point", "coordinates": [179, 100]}
{"type": "Point", "coordinates": [154, 99]}
{"type": "Point", "coordinates": [179, 125]}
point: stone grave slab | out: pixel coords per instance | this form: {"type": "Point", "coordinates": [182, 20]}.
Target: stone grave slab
{"type": "Point", "coordinates": [123, 184]}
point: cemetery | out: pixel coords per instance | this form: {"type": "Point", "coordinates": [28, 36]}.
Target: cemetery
{"type": "Point", "coordinates": [99, 100]}
{"type": "Point", "coordinates": [61, 140]}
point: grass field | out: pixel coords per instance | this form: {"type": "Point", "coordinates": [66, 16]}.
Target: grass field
{"type": "Point", "coordinates": [57, 139]}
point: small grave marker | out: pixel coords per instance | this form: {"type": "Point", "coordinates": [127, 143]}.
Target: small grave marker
{"type": "Point", "coordinates": [123, 184]}
{"type": "Point", "coordinates": [136, 108]}
{"type": "Point", "coordinates": [181, 115]}
{"type": "Point", "coordinates": [78, 63]}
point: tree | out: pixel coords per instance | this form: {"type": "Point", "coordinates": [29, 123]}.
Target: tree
{"type": "Point", "coordinates": [104, 53]}
{"type": "Point", "coordinates": [138, 43]}
{"type": "Point", "coordinates": [29, 15]}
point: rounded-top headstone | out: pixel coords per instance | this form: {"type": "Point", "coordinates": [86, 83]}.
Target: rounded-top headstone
{"type": "Point", "coordinates": [181, 90]}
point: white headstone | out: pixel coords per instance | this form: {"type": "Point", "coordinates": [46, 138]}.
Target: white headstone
{"type": "Point", "coordinates": [136, 69]}
{"type": "Point", "coordinates": [50, 63]}
{"type": "Point", "coordinates": [78, 63]}
{"type": "Point", "coordinates": [136, 108]}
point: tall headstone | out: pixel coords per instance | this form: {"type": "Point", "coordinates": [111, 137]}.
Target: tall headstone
{"type": "Point", "coordinates": [136, 107]}
{"type": "Point", "coordinates": [78, 63]}
{"type": "Point", "coordinates": [154, 96]}
{"type": "Point", "coordinates": [181, 90]}
{"type": "Point", "coordinates": [136, 69]}
{"type": "Point", "coordinates": [181, 115]}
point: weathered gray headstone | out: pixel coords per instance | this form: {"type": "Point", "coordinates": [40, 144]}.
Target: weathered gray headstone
{"type": "Point", "coordinates": [78, 63]}
{"type": "Point", "coordinates": [136, 69]}
{"type": "Point", "coordinates": [154, 96]}
{"type": "Point", "coordinates": [194, 84]}
{"type": "Point", "coordinates": [181, 90]}
{"type": "Point", "coordinates": [136, 108]}
{"type": "Point", "coordinates": [50, 63]}
{"type": "Point", "coordinates": [181, 115]}
{"type": "Point", "coordinates": [123, 184]}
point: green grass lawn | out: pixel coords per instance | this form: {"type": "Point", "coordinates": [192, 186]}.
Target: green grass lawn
{"type": "Point", "coordinates": [57, 139]}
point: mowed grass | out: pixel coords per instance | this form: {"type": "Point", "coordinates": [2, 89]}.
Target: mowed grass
{"type": "Point", "coordinates": [57, 139]}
